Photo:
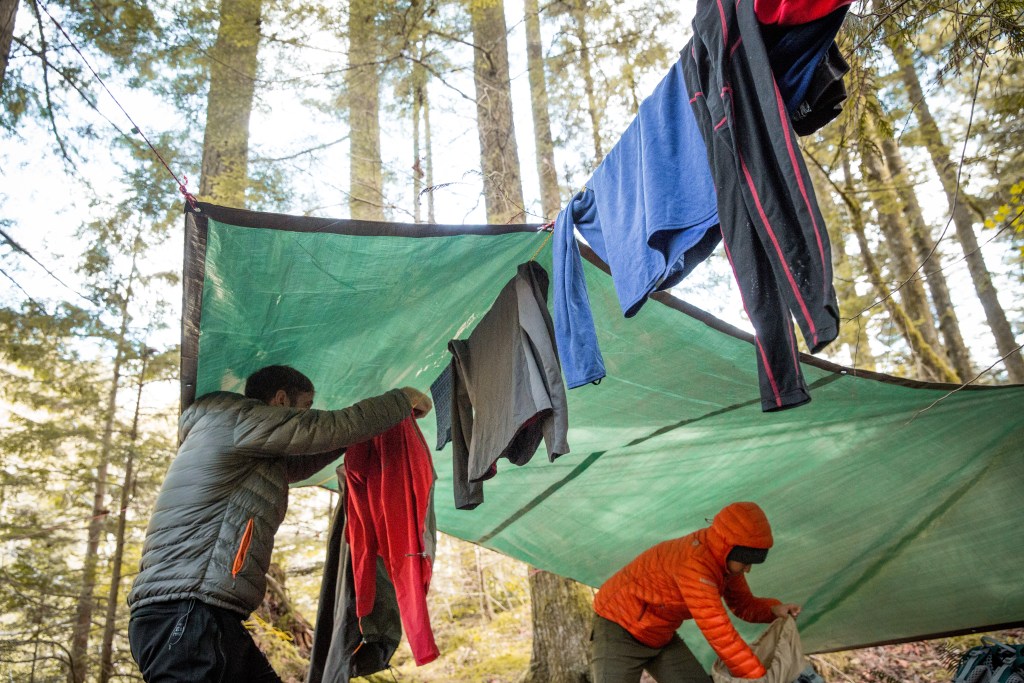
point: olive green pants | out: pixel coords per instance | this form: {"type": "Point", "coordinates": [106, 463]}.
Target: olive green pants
{"type": "Point", "coordinates": [621, 658]}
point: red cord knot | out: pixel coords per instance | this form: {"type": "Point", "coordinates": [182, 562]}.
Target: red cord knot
{"type": "Point", "coordinates": [189, 197]}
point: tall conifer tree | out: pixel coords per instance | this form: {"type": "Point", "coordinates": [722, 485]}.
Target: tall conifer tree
{"type": "Point", "coordinates": [499, 151]}
{"type": "Point", "coordinates": [233, 68]}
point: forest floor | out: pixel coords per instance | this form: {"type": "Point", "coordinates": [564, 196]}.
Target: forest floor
{"type": "Point", "coordinates": [476, 650]}
{"type": "Point", "coordinates": [480, 613]}
{"type": "Point", "coordinates": [925, 661]}
{"type": "Point", "coordinates": [472, 649]}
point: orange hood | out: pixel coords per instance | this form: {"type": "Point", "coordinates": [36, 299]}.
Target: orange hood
{"type": "Point", "coordinates": [738, 524]}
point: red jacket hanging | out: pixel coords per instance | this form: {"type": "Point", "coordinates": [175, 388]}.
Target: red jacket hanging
{"type": "Point", "coordinates": [390, 481]}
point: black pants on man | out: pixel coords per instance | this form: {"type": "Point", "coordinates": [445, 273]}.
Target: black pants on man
{"type": "Point", "coordinates": [621, 658]}
{"type": "Point", "coordinates": [190, 641]}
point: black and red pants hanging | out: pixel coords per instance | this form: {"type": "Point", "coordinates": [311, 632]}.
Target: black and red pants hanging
{"type": "Point", "coordinates": [773, 231]}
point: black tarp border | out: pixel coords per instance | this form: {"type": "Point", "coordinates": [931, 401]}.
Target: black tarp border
{"type": "Point", "coordinates": [197, 218]}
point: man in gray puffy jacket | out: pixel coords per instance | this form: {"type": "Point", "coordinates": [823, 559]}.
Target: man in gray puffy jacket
{"type": "Point", "coordinates": [209, 541]}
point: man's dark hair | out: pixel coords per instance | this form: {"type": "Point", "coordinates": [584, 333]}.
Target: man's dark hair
{"type": "Point", "coordinates": [266, 382]}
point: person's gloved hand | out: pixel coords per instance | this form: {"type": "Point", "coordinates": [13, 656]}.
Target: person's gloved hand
{"type": "Point", "coordinates": [420, 402]}
{"type": "Point", "coordinates": [786, 608]}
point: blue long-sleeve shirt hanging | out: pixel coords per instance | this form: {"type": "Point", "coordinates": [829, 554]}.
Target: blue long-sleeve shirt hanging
{"type": "Point", "coordinates": [649, 212]}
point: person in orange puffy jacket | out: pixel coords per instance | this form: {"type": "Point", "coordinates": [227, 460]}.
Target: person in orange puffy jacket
{"type": "Point", "coordinates": [640, 608]}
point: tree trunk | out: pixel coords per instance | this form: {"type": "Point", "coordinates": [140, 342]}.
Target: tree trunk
{"type": "Point", "coordinates": [127, 486]}
{"type": "Point", "coordinates": [931, 263]}
{"type": "Point", "coordinates": [562, 619]}
{"type": "Point", "coordinates": [915, 302]}
{"type": "Point", "coordinates": [845, 270]}
{"type": "Point", "coordinates": [278, 610]}
{"type": "Point", "coordinates": [481, 582]}
{"type": "Point", "coordinates": [550, 200]}
{"type": "Point", "coordinates": [8, 13]}
{"type": "Point", "coordinates": [499, 153]}
{"type": "Point", "coordinates": [233, 64]}
{"type": "Point", "coordinates": [362, 81]}
{"type": "Point", "coordinates": [579, 13]}
{"type": "Point", "coordinates": [428, 154]}
{"type": "Point", "coordinates": [947, 170]}
{"type": "Point", "coordinates": [279, 631]}
{"type": "Point", "coordinates": [418, 97]}
{"type": "Point", "coordinates": [907, 328]}
{"type": "Point", "coordinates": [86, 598]}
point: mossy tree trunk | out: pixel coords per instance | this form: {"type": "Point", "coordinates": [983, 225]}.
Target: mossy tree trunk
{"type": "Point", "coordinates": [499, 152]}
{"type": "Point", "coordinates": [579, 14]}
{"type": "Point", "coordinates": [362, 82]}
{"type": "Point", "coordinates": [86, 604]}
{"type": "Point", "coordinates": [930, 262]}
{"type": "Point", "coordinates": [562, 619]}
{"type": "Point", "coordinates": [948, 174]}
{"type": "Point", "coordinates": [233, 64]}
{"type": "Point", "coordinates": [924, 352]}
{"type": "Point", "coordinates": [918, 325]}
{"type": "Point", "coordinates": [428, 157]}
{"type": "Point", "coordinates": [419, 103]}
{"type": "Point", "coordinates": [8, 13]}
{"type": "Point", "coordinates": [550, 200]}
{"type": "Point", "coordinates": [127, 486]}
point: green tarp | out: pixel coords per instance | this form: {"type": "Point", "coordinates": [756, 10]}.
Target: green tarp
{"type": "Point", "coordinates": [898, 507]}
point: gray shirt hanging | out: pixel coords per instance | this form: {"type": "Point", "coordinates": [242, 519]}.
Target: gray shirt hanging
{"type": "Point", "coordinates": [508, 391]}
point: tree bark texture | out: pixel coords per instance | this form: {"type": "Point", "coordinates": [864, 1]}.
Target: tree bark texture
{"type": "Point", "coordinates": [913, 297]}
{"type": "Point", "coordinates": [481, 583]}
{"type": "Point", "coordinates": [550, 199]}
{"type": "Point", "coordinates": [947, 170]}
{"type": "Point", "coordinates": [277, 609]}
{"type": "Point", "coordinates": [563, 616]}
{"type": "Point", "coordinates": [8, 13]}
{"type": "Point", "coordinates": [418, 99]}
{"type": "Point", "coordinates": [113, 595]}
{"type": "Point", "coordinates": [499, 153]}
{"type": "Point", "coordinates": [579, 14]}
{"type": "Point", "coordinates": [80, 664]}
{"type": "Point", "coordinates": [918, 346]}
{"type": "Point", "coordinates": [845, 269]}
{"type": "Point", "coordinates": [931, 262]}
{"type": "Point", "coordinates": [362, 81]}
{"type": "Point", "coordinates": [233, 65]}
{"type": "Point", "coordinates": [428, 155]}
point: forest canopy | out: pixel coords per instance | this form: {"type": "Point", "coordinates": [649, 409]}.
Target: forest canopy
{"type": "Point", "coordinates": [416, 111]}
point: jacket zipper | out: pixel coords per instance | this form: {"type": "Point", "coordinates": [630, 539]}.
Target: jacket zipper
{"type": "Point", "coordinates": [243, 549]}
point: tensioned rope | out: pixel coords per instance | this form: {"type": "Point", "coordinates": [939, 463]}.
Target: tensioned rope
{"type": "Point", "coordinates": [135, 127]}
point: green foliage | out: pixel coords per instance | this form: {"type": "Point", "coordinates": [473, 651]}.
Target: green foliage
{"type": "Point", "coordinates": [279, 647]}
{"type": "Point", "coordinates": [1010, 216]}
{"type": "Point", "coordinates": [49, 83]}
{"type": "Point", "coordinates": [56, 358]}
{"type": "Point", "coordinates": [967, 30]}
{"type": "Point", "coordinates": [36, 597]}
{"type": "Point", "coordinates": [503, 667]}
{"type": "Point", "coordinates": [128, 32]}
{"type": "Point", "coordinates": [629, 51]}
{"type": "Point", "coordinates": [15, 100]}
{"type": "Point", "coordinates": [52, 416]}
